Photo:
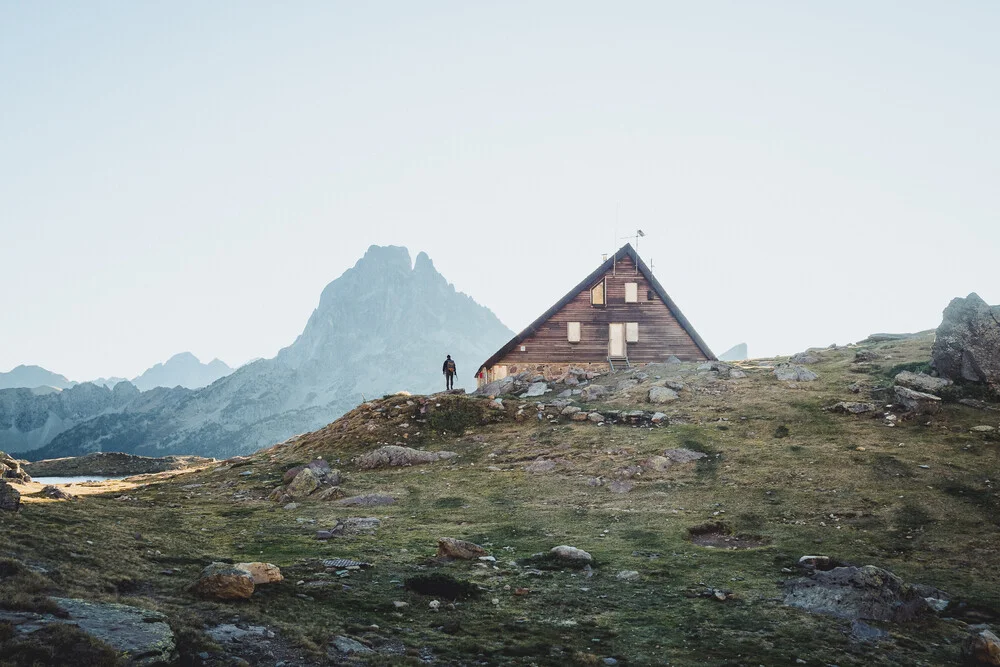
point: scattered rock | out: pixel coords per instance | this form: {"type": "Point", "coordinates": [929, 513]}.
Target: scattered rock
{"type": "Point", "coordinates": [329, 493]}
{"type": "Point", "coordinates": [56, 493]}
{"type": "Point", "coordinates": [657, 463]}
{"type": "Point", "coordinates": [982, 429]}
{"type": "Point", "coordinates": [660, 395]}
{"type": "Point", "coordinates": [595, 417]}
{"type": "Point", "coordinates": [658, 417]}
{"type": "Point", "coordinates": [569, 410]}
{"type": "Point", "coordinates": [342, 646]}
{"type": "Point", "coordinates": [853, 408]}
{"type": "Point", "coordinates": [982, 648]}
{"type": "Point", "coordinates": [967, 344]}
{"type": "Point", "coordinates": [866, 356]}
{"type": "Point", "coordinates": [682, 455]}
{"type": "Point", "coordinates": [10, 498]}
{"type": "Point", "coordinates": [449, 547]}
{"type": "Point", "coordinates": [367, 500]}
{"type": "Point", "coordinates": [540, 466]}
{"type": "Point", "coordinates": [566, 552]}
{"type": "Point", "coordinates": [917, 401]}
{"type": "Point", "coordinates": [228, 632]}
{"type": "Point", "coordinates": [394, 456]}
{"type": "Point", "coordinates": [594, 392]}
{"type": "Point", "coordinates": [627, 575]}
{"type": "Point", "coordinates": [867, 592]}
{"type": "Point", "coordinates": [921, 382]}
{"type": "Point", "coordinates": [621, 486]}
{"type": "Point", "coordinates": [673, 360]}
{"type": "Point", "coordinates": [793, 373]}
{"type": "Point", "coordinates": [221, 581]}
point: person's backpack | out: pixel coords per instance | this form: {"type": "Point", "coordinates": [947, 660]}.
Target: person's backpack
{"type": "Point", "coordinates": [450, 366]}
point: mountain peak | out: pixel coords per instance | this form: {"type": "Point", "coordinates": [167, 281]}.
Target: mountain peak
{"type": "Point", "coordinates": [387, 256]}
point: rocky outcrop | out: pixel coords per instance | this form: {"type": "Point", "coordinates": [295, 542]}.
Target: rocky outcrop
{"type": "Point", "coordinates": [867, 592]}
{"type": "Point", "coordinates": [11, 470]}
{"type": "Point", "coordinates": [392, 456]}
{"type": "Point", "coordinates": [967, 344]}
{"type": "Point", "coordinates": [112, 464]}
{"type": "Point", "coordinates": [793, 373]}
{"type": "Point", "coordinates": [142, 638]}
{"type": "Point", "coordinates": [661, 395]}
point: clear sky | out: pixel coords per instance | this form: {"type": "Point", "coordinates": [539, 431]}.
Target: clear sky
{"type": "Point", "coordinates": [190, 175]}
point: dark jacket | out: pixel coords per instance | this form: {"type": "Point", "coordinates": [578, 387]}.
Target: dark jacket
{"type": "Point", "coordinates": [444, 366]}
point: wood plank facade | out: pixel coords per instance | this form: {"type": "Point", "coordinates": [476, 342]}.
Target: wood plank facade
{"type": "Point", "coordinates": [653, 326]}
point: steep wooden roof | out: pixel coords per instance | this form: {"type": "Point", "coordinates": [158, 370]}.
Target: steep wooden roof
{"type": "Point", "coordinates": [625, 251]}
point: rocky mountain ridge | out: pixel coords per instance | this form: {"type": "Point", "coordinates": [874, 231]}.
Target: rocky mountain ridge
{"type": "Point", "coordinates": [382, 327]}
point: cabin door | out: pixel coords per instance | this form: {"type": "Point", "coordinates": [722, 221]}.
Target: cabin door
{"type": "Point", "coordinates": [616, 340]}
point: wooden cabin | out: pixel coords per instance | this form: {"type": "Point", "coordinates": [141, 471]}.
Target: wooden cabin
{"type": "Point", "coordinates": [619, 315]}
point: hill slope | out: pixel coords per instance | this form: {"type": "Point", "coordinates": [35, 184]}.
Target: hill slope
{"type": "Point", "coordinates": [691, 559]}
{"type": "Point", "coordinates": [383, 326]}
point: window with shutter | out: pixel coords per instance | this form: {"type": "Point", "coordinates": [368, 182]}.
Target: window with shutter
{"type": "Point", "coordinates": [573, 332]}
{"type": "Point", "coordinates": [631, 292]}
{"type": "Point", "coordinates": [631, 332]}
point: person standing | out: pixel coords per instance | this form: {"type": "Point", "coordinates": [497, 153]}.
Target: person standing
{"type": "Point", "coordinates": [449, 369]}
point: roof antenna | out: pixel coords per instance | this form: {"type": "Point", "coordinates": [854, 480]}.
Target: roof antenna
{"type": "Point", "coordinates": [614, 258]}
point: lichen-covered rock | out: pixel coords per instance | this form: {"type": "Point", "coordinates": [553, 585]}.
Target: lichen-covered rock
{"type": "Point", "coordinates": [921, 382]}
{"type": "Point", "coordinates": [395, 456]}
{"type": "Point", "coordinates": [967, 344]}
{"type": "Point", "coordinates": [304, 483]}
{"type": "Point", "coordinates": [261, 573]}
{"type": "Point", "coordinates": [221, 581]}
{"type": "Point", "coordinates": [866, 592]}
{"type": "Point", "coordinates": [449, 547]}
{"type": "Point", "coordinates": [535, 389]}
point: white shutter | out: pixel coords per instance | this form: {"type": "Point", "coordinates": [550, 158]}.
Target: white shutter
{"type": "Point", "coordinates": [632, 332]}
{"type": "Point", "coordinates": [631, 292]}
{"type": "Point", "coordinates": [573, 332]}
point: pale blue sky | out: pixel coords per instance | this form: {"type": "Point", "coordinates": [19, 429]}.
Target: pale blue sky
{"type": "Point", "coordinates": [189, 175]}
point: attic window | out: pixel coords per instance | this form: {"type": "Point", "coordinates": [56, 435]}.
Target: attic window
{"type": "Point", "coordinates": [597, 293]}
{"type": "Point", "coordinates": [631, 332]}
{"type": "Point", "coordinates": [573, 332]}
{"type": "Point", "coordinates": [649, 295]}
{"type": "Point", "coordinates": [631, 292]}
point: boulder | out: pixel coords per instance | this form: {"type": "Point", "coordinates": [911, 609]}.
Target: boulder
{"type": "Point", "coordinates": [500, 387]}
{"type": "Point", "coordinates": [345, 646]}
{"type": "Point", "coordinates": [10, 498]}
{"type": "Point", "coordinates": [917, 401]}
{"type": "Point", "coordinates": [261, 573]}
{"type": "Point", "coordinates": [594, 392]}
{"type": "Point", "coordinates": [967, 344]}
{"type": "Point", "coordinates": [595, 417]}
{"type": "Point", "coordinates": [305, 482]}
{"type": "Point", "coordinates": [535, 389]}
{"type": "Point", "coordinates": [982, 648]}
{"type": "Point", "coordinates": [221, 581]}
{"type": "Point", "coordinates": [449, 547]}
{"type": "Point", "coordinates": [329, 493]}
{"type": "Point", "coordinates": [10, 468]}
{"type": "Point", "coordinates": [806, 357]}
{"type": "Point", "coordinates": [392, 456]}
{"type": "Point", "coordinates": [867, 592]}
{"type": "Point", "coordinates": [290, 474]}
{"type": "Point", "coordinates": [621, 486]}
{"type": "Point", "coordinates": [56, 493]}
{"type": "Point", "coordinates": [569, 410]}
{"type": "Point", "coordinates": [568, 553]}
{"type": "Point", "coordinates": [793, 373]}
{"type": "Point", "coordinates": [921, 382]}
{"type": "Point", "coordinates": [866, 356]}
{"type": "Point", "coordinates": [578, 416]}
{"type": "Point", "coordinates": [658, 417]}
{"type": "Point", "coordinates": [682, 455]}
{"type": "Point", "coordinates": [660, 395]}
{"type": "Point", "coordinates": [657, 463]}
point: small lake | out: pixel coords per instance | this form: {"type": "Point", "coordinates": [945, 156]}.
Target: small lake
{"type": "Point", "coordinates": [75, 480]}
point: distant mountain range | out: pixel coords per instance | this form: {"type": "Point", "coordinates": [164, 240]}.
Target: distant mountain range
{"type": "Point", "coordinates": [385, 325]}
{"type": "Point", "coordinates": [180, 370]}
{"type": "Point", "coordinates": [33, 376]}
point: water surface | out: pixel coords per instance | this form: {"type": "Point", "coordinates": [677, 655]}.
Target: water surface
{"type": "Point", "coordinates": [76, 479]}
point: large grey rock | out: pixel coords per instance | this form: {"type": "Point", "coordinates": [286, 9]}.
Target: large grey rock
{"type": "Point", "coordinates": [867, 592]}
{"type": "Point", "coordinates": [566, 552]}
{"type": "Point", "coordinates": [10, 498]}
{"type": "Point", "coordinates": [921, 382]}
{"type": "Point", "coordinates": [917, 401]}
{"type": "Point", "coordinates": [535, 389]}
{"type": "Point", "coordinates": [594, 392]}
{"type": "Point", "coordinates": [141, 637]}
{"type": "Point", "coordinates": [507, 385]}
{"type": "Point", "coordinates": [807, 357]}
{"type": "Point", "coordinates": [967, 344]}
{"type": "Point", "coordinates": [303, 484]}
{"type": "Point", "coordinates": [793, 373]}
{"type": "Point", "coordinates": [661, 395]}
{"type": "Point", "coordinates": [392, 456]}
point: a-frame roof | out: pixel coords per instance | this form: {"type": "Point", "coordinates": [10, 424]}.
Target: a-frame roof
{"type": "Point", "coordinates": [625, 251]}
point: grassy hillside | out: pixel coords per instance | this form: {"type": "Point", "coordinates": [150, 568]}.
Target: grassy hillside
{"type": "Point", "coordinates": [783, 478]}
